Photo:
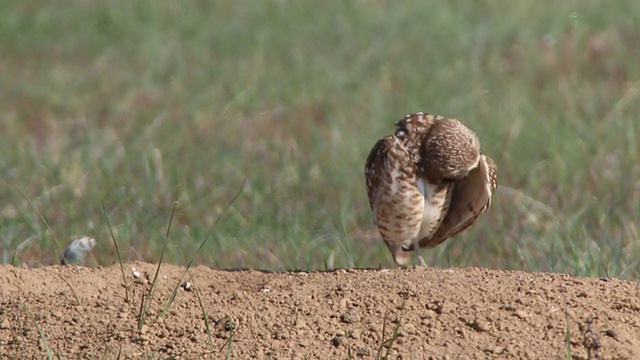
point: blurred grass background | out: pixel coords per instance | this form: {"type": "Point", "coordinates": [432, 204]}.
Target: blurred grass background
{"type": "Point", "coordinates": [143, 103]}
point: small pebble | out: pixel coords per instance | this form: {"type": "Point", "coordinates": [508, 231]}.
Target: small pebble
{"type": "Point", "coordinates": [336, 341]}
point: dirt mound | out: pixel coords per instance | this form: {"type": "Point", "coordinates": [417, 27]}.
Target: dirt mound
{"type": "Point", "coordinates": [410, 313]}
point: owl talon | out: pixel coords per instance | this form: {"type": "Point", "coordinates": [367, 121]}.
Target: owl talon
{"type": "Point", "coordinates": [421, 261]}
{"type": "Point", "coordinates": [416, 248]}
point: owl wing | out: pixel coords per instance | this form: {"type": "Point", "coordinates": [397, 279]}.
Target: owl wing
{"type": "Point", "coordinates": [471, 197]}
{"type": "Point", "coordinates": [374, 169]}
{"type": "Point", "coordinates": [395, 200]}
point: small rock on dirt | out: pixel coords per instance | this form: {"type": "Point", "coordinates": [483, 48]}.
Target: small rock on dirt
{"type": "Point", "coordinates": [336, 341]}
{"type": "Point", "coordinates": [350, 317]}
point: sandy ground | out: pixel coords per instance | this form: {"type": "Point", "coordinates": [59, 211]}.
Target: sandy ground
{"type": "Point", "coordinates": [453, 313]}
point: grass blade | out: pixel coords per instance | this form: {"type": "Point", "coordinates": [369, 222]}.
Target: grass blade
{"type": "Point", "coordinates": [149, 297]}
{"type": "Point", "coordinates": [115, 243]}
{"type": "Point", "coordinates": [44, 221]}
{"type": "Point", "coordinates": [190, 263]}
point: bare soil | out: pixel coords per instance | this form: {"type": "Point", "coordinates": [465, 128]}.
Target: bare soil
{"type": "Point", "coordinates": [416, 313]}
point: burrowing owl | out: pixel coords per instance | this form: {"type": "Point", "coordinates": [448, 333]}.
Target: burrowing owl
{"type": "Point", "coordinates": [426, 183]}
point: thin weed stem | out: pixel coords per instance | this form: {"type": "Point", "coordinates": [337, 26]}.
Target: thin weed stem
{"type": "Point", "coordinates": [145, 304]}
{"type": "Point", "coordinates": [204, 314]}
{"type": "Point", "coordinates": [115, 243]}
{"type": "Point", "coordinates": [44, 221]}
{"type": "Point", "coordinates": [190, 263]}
{"type": "Point", "coordinates": [75, 295]}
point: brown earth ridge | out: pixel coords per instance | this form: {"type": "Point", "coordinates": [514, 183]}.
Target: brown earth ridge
{"type": "Point", "coordinates": [413, 313]}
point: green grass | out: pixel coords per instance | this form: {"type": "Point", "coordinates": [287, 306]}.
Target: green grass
{"type": "Point", "coordinates": [138, 104]}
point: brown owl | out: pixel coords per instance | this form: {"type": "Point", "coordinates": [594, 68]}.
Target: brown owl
{"type": "Point", "coordinates": [426, 183]}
